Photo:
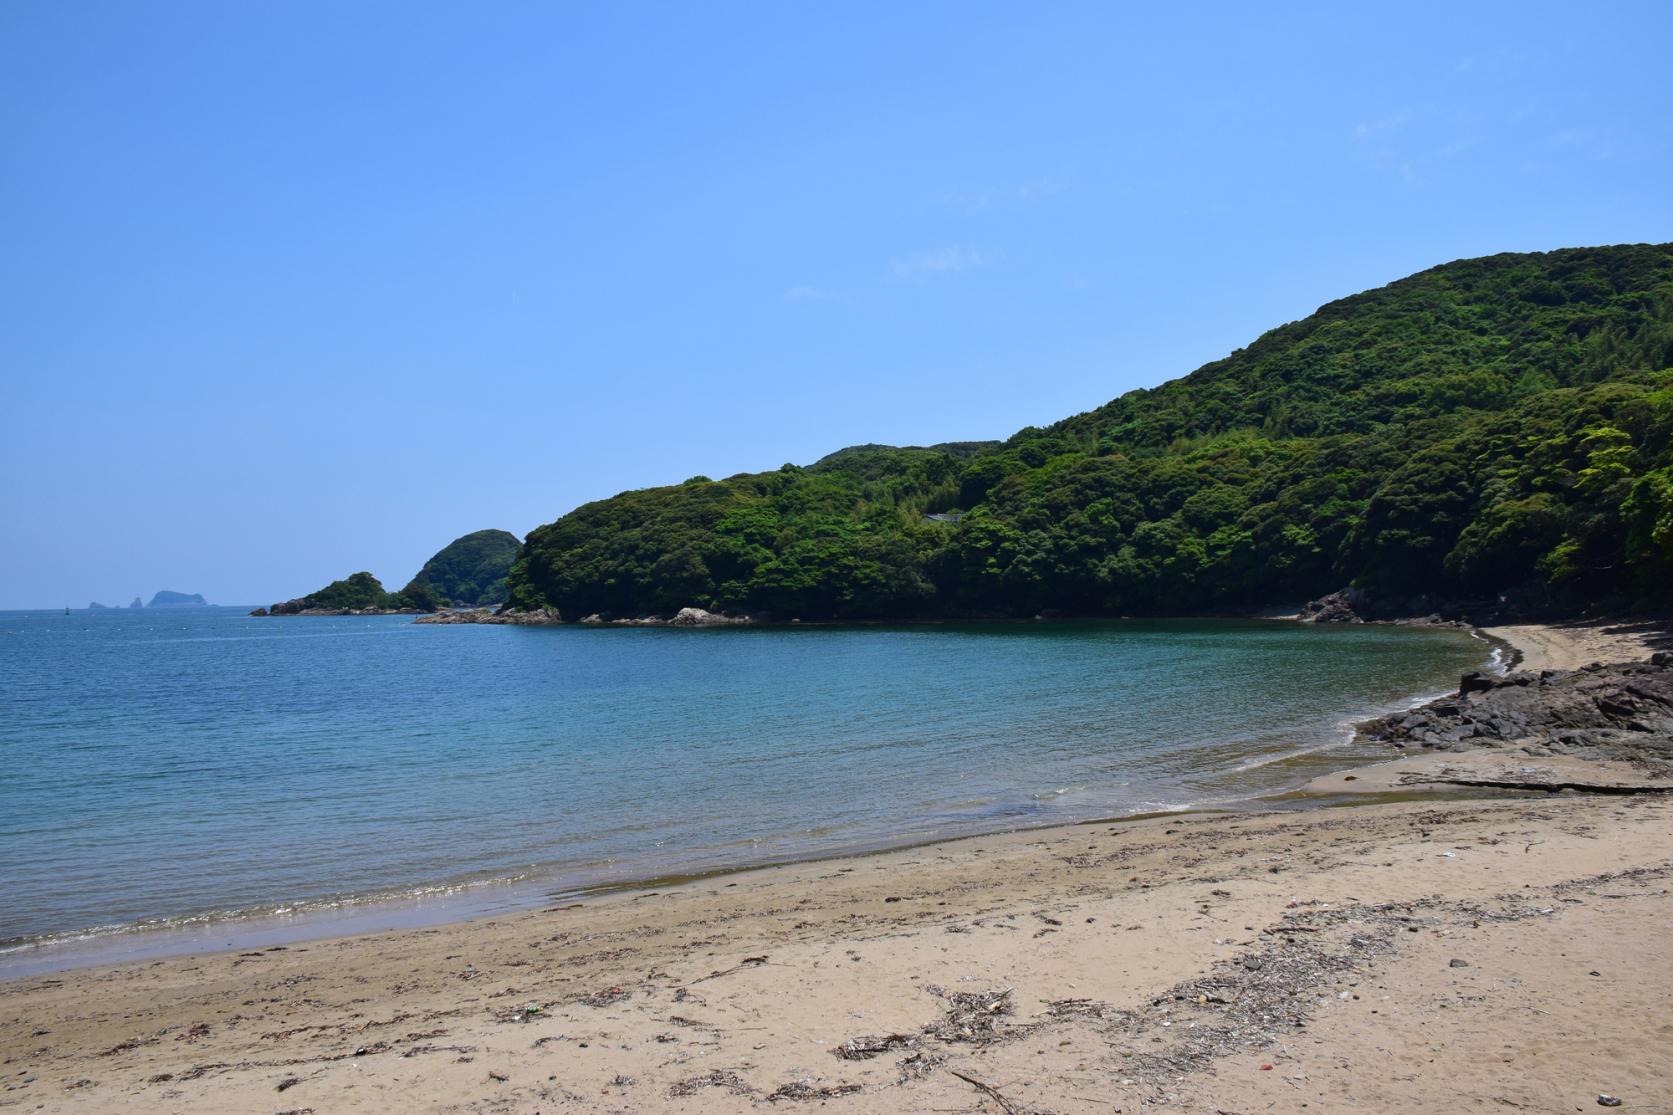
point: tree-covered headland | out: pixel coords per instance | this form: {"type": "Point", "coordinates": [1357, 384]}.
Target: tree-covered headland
{"type": "Point", "coordinates": [469, 570]}
{"type": "Point", "coordinates": [358, 592]}
{"type": "Point", "coordinates": [1492, 426]}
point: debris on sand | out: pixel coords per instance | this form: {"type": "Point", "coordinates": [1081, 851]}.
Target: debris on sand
{"type": "Point", "coordinates": [869, 1046]}
{"type": "Point", "coordinates": [1005, 1105]}
{"type": "Point", "coordinates": [524, 1013]}
{"type": "Point", "coordinates": [746, 962]}
{"type": "Point", "coordinates": [802, 1090]}
{"type": "Point", "coordinates": [717, 1078]}
{"type": "Point", "coordinates": [972, 1016]}
{"type": "Point", "coordinates": [919, 1065]}
{"type": "Point", "coordinates": [606, 997]}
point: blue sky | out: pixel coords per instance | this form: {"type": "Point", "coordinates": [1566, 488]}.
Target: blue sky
{"type": "Point", "coordinates": [292, 290]}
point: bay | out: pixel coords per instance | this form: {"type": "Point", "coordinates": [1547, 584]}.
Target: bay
{"type": "Point", "coordinates": [161, 768]}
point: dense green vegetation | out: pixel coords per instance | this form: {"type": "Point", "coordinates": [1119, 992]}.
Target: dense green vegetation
{"type": "Point", "coordinates": [469, 570]}
{"type": "Point", "coordinates": [359, 591]}
{"type": "Point", "coordinates": [1492, 426]}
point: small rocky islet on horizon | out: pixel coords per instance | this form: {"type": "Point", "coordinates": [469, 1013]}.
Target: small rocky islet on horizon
{"type": "Point", "coordinates": [163, 598]}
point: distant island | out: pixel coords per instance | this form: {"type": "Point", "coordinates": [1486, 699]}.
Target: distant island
{"type": "Point", "coordinates": [162, 599]}
{"type": "Point", "coordinates": [1496, 430]}
{"type": "Point", "coordinates": [167, 599]}
{"type": "Point", "coordinates": [470, 571]}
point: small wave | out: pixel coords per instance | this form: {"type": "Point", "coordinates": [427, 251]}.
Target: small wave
{"type": "Point", "coordinates": [1344, 731]}
{"type": "Point", "coordinates": [253, 914]}
{"type": "Point", "coordinates": [1145, 808]}
{"type": "Point", "coordinates": [1498, 661]}
{"type": "Point", "coordinates": [1061, 791]}
{"type": "Point", "coordinates": [1285, 756]}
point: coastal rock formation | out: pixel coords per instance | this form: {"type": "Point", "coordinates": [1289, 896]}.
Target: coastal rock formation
{"type": "Point", "coordinates": [540, 617]}
{"type": "Point", "coordinates": [697, 617]}
{"type": "Point", "coordinates": [1338, 607]}
{"type": "Point", "coordinates": [305, 608]}
{"type": "Point", "coordinates": [685, 617]}
{"type": "Point", "coordinates": [1622, 711]}
{"type": "Point", "coordinates": [1355, 605]}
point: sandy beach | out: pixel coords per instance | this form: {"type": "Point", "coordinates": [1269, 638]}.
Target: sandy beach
{"type": "Point", "coordinates": [1568, 646]}
{"type": "Point", "coordinates": [1419, 952]}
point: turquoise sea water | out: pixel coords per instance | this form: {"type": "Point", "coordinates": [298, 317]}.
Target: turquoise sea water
{"type": "Point", "coordinates": [157, 768]}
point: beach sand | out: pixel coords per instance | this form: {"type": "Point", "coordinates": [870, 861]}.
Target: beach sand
{"type": "Point", "coordinates": [1568, 646]}
{"type": "Point", "coordinates": [1403, 955]}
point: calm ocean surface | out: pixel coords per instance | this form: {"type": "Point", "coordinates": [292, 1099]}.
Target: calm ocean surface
{"type": "Point", "coordinates": [171, 768]}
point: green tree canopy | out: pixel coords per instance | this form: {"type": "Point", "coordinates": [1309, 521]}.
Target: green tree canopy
{"type": "Point", "coordinates": [1486, 426]}
{"type": "Point", "coordinates": [468, 570]}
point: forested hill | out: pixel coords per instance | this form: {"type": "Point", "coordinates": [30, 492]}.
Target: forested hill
{"type": "Point", "coordinates": [468, 570]}
{"type": "Point", "coordinates": [1496, 425]}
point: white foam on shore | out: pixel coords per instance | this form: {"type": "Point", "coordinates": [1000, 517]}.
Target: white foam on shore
{"type": "Point", "coordinates": [1346, 730]}
{"type": "Point", "coordinates": [239, 922]}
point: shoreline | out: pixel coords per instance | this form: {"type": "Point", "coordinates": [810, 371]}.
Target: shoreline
{"type": "Point", "coordinates": [103, 948]}
{"type": "Point", "coordinates": [465, 901]}
{"type": "Point", "coordinates": [918, 969]}
{"type": "Point", "coordinates": [1076, 969]}
{"type": "Point", "coordinates": [1525, 762]}
{"type": "Point", "coordinates": [294, 920]}
{"type": "Point", "coordinates": [1568, 646]}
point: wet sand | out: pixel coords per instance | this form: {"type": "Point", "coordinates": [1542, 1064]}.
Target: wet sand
{"type": "Point", "coordinates": [1568, 646]}
{"type": "Point", "coordinates": [1157, 964]}
{"type": "Point", "coordinates": [1411, 955]}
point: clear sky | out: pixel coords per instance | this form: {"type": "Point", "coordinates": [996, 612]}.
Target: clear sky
{"type": "Point", "coordinates": [289, 290]}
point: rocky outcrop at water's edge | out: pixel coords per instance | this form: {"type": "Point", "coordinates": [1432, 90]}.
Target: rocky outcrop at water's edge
{"type": "Point", "coordinates": [1338, 607]}
{"type": "Point", "coordinates": [1621, 711]}
{"type": "Point", "coordinates": [306, 607]}
{"type": "Point", "coordinates": [685, 617]}
{"type": "Point", "coordinates": [540, 617]}
{"type": "Point", "coordinates": [1355, 605]}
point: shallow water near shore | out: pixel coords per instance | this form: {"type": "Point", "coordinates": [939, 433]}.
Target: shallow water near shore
{"type": "Point", "coordinates": [220, 778]}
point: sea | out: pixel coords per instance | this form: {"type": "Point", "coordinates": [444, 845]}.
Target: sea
{"type": "Point", "coordinates": [179, 780]}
